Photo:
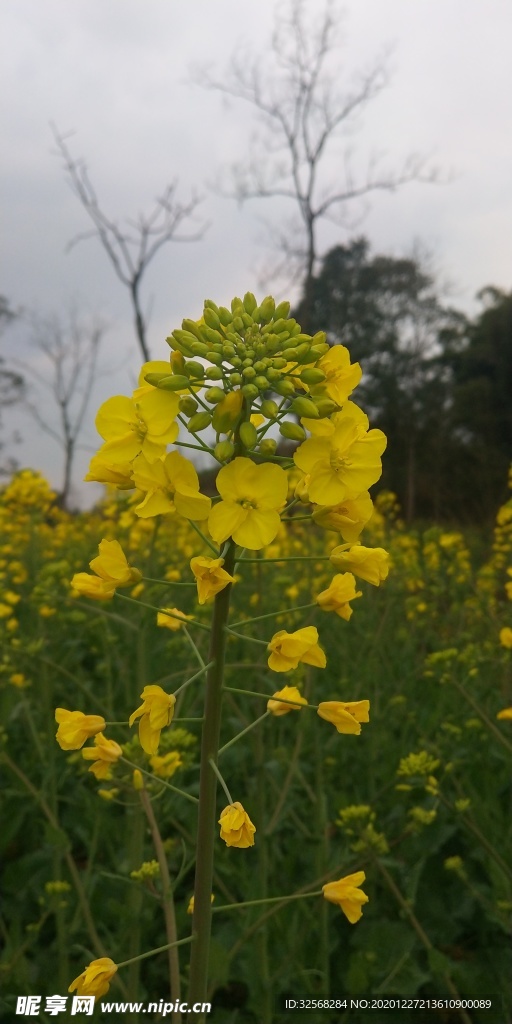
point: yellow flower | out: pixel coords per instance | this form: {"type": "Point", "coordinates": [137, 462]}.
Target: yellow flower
{"type": "Point", "coordinates": [94, 981]}
{"type": "Point", "coordinates": [171, 484]}
{"type": "Point", "coordinates": [190, 908]}
{"type": "Point", "coordinates": [166, 765]}
{"type": "Point", "coordinates": [130, 426]}
{"type": "Point", "coordinates": [276, 707]}
{"type": "Point", "coordinates": [342, 376]}
{"type": "Point", "coordinates": [345, 463]}
{"type": "Point", "coordinates": [19, 680]}
{"type": "Point", "coordinates": [155, 712]}
{"type": "Point", "coordinates": [288, 649]}
{"type": "Point", "coordinates": [348, 518]}
{"type": "Point", "coordinates": [346, 894]}
{"type": "Point", "coordinates": [370, 564]}
{"type": "Point", "coordinates": [251, 495]}
{"type": "Point", "coordinates": [112, 570]}
{"type": "Point", "coordinates": [104, 754]}
{"type": "Point", "coordinates": [346, 716]}
{"type": "Point", "coordinates": [236, 827]}
{"type": "Point", "coordinates": [506, 637]}
{"type": "Point", "coordinates": [75, 728]}
{"type": "Point", "coordinates": [340, 591]}
{"type": "Point", "coordinates": [210, 576]}
{"type": "Point", "coordinates": [103, 471]}
{"type": "Point", "coordinates": [172, 618]}
{"type": "Point", "coordinates": [505, 714]}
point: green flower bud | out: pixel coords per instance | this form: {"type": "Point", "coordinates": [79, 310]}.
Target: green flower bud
{"type": "Point", "coordinates": [235, 379]}
{"type": "Point", "coordinates": [295, 331]}
{"type": "Point", "coordinates": [273, 374]}
{"type": "Point", "coordinates": [187, 405]}
{"type": "Point", "coordinates": [210, 304]}
{"type": "Point", "coordinates": [238, 324]}
{"type": "Point", "coordinates": [228, 350]}
{"type": "Point", "coordinates": [262, 383]}
{"type": "Point", "coordinates": [279, 363]}
{"type": "Point", "coordinates": [174, 382]}
{"type": "Point", "coordinates": [248, 435]}
{"type": "Point", "coordinates": [249, 303]}
{"type": "Point", "coordinates": [172, 343]}
{"type": "Point", "coordinates": [236, 305]}
{"type": "Point", "coordinates": [312, 375]}
{"type": "Point", "coordinates": [248, 373]}
{"type": "Point", "coordinates": [225, 317]}
{"type": "Point", "coordinates": [319, 350]}
{"type": "Point", "coordinates": [247, 320]}
{"type": "Point", "coordinates": [213, 373]}
{"type": "Point", "coordinates": [250, 391]}
{"type": "Point", "coordinates": [326, 407]}
{"type": "Point", "coordinates": [200, 421]}
{"type": "Point", "coordinates": [319, 338]}
{"type": "Point", "coordinates": [282, 311]}
{"type": "Point", "coordinates": [303, 352]}
{"type": "Point", "coordinates": [293, 431]}
{"type": "Point", "coordinates": [285, 388]}
{"type": "Point", "coordinates": [265, 311]}
{"type": "Point", "coordinates": [260, 366]}
{"type": "Point", "coordinates": [211, 336]}
{"type": "Point", "coordinates": [211, 319]}
{"type": "Point", "coordinates": [191, 327]}
{"type": "Point", "coordinates": [236, 362]}
{"type": "Point", "coordinates": [224, 451]}
{"type": "Point", "coordinates": [213, 395]}
{"type": "Point", "coordinates": [305, 407]}
{"type": "Point", "coordinates": [155, 378]}
{"type": "Point", "coordinates": [268, 446]}
{"type": "Point", "coordinates": [288, 343]}
{"type": "Point", "coordinates": [268, 409]}
{"type": "Point", "coordinates": [199, 348]}
{"type": "Point", "coordinates": [292, 355]}
{"type": "Point", "coordinates": [185, 337]}
{"type": "Point", "coordinates": [194, 369]}
{"type": "Point", "coordinates": [215, 357]}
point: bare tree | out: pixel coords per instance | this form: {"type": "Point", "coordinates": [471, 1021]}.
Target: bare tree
{"type": "Point", "coordinates": [304, 112]}
{"type": "Point", "coordinates": [69, 345]}
{"type": "Point", "coordinates": [12, 384]}
{"type": "Point", "coordinates": [130, 249]}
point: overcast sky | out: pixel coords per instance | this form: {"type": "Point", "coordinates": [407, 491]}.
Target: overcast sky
{"type": "Point", "coordinates": [119, 74]}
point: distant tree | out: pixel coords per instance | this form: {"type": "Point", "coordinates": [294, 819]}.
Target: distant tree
{"type": "Point", "coordinates": [12, 384]}
{"type": "Point", "coordinates": [130, 249]}
{"type": "Point", "coordinates": [296, 91]}
{"type": "Point", "coordinates": [66, 348]}
{"type": "Point", "coordinates": [388, 314]}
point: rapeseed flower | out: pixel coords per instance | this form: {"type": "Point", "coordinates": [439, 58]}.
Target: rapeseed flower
{"type": "Point", "coordinates": [506, 637]}
{"type": "Point", "coordinates": [347, 895]}
{"type": "Point", "coordinates": [348, 518]}
{"type": "Point", "coordinates": [288, 649]}
{"type": "Point", "coordinates": [103, 754]}
{"type": "Point", "coordinates": [346, 716]}
{"type": "Point", "coordinates": [104, 471]}
{"type": "Point", "coordinates": [96, 978]}
{"type": "Point", "coordinates": [130, 426]}
{"type": "Point", "coordinates": [155, 712]}
{"type": "Point", "coordinates": [112, 570]}
{"type": "Point", "coordinates": [236, 827]}
{"type": "Point", "coordinates": [340, 591]}
{"type": "Point", "coordinates": [276, 705]}
{"type": "Point", "coordinates": [75, 728]}
{"type": "Point", "coordinates": [170, 484]}
{"type": "Point", "coordinates": [505, 714]}
{"type": "Point", "coordinates": [345, 463]}
{"type": "Point", "coordinates": [370, 564]}
{"type": "Point", "coordinates": [172, 619]}
{"type": "Point", "coordinates": [211, 578]}
{"type": "Point", "coordinates": [341, 376]}
{"type": "Point", "coordinates": [251, 497]}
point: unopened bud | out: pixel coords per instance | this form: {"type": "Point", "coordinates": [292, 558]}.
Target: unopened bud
{"type": "Point", "coordinates": [319, 350]}
{"type": "Point", "coordinates": [199, 422]}
{"type": "Point", "coordinates": [177, 362]}
{"type": "Point", "coordinates": [227, 412]}
{"type": "Point", "coordinates": [138, 781]}
{"type": "Point", "coordinates": [268, 446]}
{"type": "Point", "coordinates": [211, 318]}
{"type": "Point", "coordinates": [292, 431]}
{"type": "Point", "coordinates": [191, 327]}
{"type": "Point", "coordinates": [261, 383]}
{"type": "Point", "coordinates": [305, 407]}
{"type": "Point", "coordinates": [187, 405]}
{"type": "Point", "coordinates": [248, 434]}
{"type": "Point", "coordinates": [224, 451]}
{"type": "Point", "coordinates": [282, 311]}
{"type": "Point", "coordinates": [249, 303]}
{"type": "Point", "coordinates": [194, 369]}
{"type": "Point", "coordinates": [174, 382]}
{"type": "Point", "coordinates": [326, 407]}
{"type": "Point", "coordinates": [266, 310]}
{"type": "Point", "coordinates": [211, 336]}
{"type": "Point", "coordinates": [250, 391]}
{"type": "Point", "coordinates": [285, 388]}
{"type": "Point", "coordinates": [199, 348]}
{"type": "Point", "coordinates": [312, 375]}
{"type": "Point", "coordinates": [269, 409]}
{"type": "Point", "coordinates": [225, 316]}
{"type": "Point", "coordinates": [213, 373]}
{"type": "Point", "coordinates": [214, 395]}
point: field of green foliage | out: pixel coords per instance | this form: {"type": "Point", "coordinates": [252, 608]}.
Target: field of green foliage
{"type": "Point", "coordinates": [420, 801]}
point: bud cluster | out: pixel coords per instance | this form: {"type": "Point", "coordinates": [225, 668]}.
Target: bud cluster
{"type": "Point", "coordinates": [240, 356]}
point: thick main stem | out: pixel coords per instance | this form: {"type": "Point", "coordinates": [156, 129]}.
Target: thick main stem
{"type": "Point", "coordinates": [201, 924]}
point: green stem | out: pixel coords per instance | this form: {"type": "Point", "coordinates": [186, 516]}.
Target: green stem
{"type": "Point", "coordinates": [490, 725]}
{"type": "Point", "coordinates": [242, 636]}
{"type": "Point", "coordinates": [154, 608]}
{"type": "Point", "coordinates": [291, 558]}
{"type": "Point", "coordinates": [271, 899]}
{"type": "Point", "coordinates": [153, 952]}
{"type": "Point", "coordinates": [162, 782]}
{"type": "Point", "coordinates": [167, 901]}
{"type": "Point", "coordinates": [243, 732]}
{"type": "Point", "coordinates": [269, 696]}
{"type": "Point", "coordinates": [272, 615]}
{"type": "Point", "coordinates": [167, 583]}
{"type": "Point", "coordinates": [187, 682]}
{"type": "Point", "coordinates": [204, 538]}
{"type": "Point", "coordinates": [192, 645]}
{"type": "Point", "coordinates": [208, 790]}
{"type": "Point", "coordinates": [221, 780]}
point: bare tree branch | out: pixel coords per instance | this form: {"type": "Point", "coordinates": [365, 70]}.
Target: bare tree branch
{"type": "Point", "coordinates": [131, 250]}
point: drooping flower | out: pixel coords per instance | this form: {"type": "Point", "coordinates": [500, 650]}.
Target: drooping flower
{"type": "Point", "coordinates": [171, 484]}
{"type": "Point", "coordinates": [130, 426]}
{"type": "Point", "coordinates": [112, 570]}
{"type": "Point", "coordinates": [251, 496]}
{"type": "Point", "coordinates": [103, 754]}
{"type": "Point", "coordinates": [345, 715]}
{"type": "Point", "coordinates": [117, 474]}
{"type": "Point", "coordinates": [277, 704]}
{"type": "Point", "coordinates": [345, 463]}
{"type": "Point", "coordinates": [155, 713]}
{"type": "Point", "coordinates": [172, 619]}
{"type": "Point", "coordinates": [288, 649]}
{"type": "Point", "coordinates": [340, 591]}
{"type": "Point", "coordinates": [96, 978]}
{"type": "Point", "coordinates": [165, 765]}
{"type": "Point", "coordinates": [347, 895]}
{"type": "Point", "coordinates": [75, 728]}
{"type": "Point", "coordinates": [236, 827]}
{"type": "Point", "coordinates": [370, 564]}
{"type": "Point", "coordinates": [210, 576]}
{"type": "Point", "coordinates": [348, 518]}
{"type": "Point", "coordinates": [341, 375]}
